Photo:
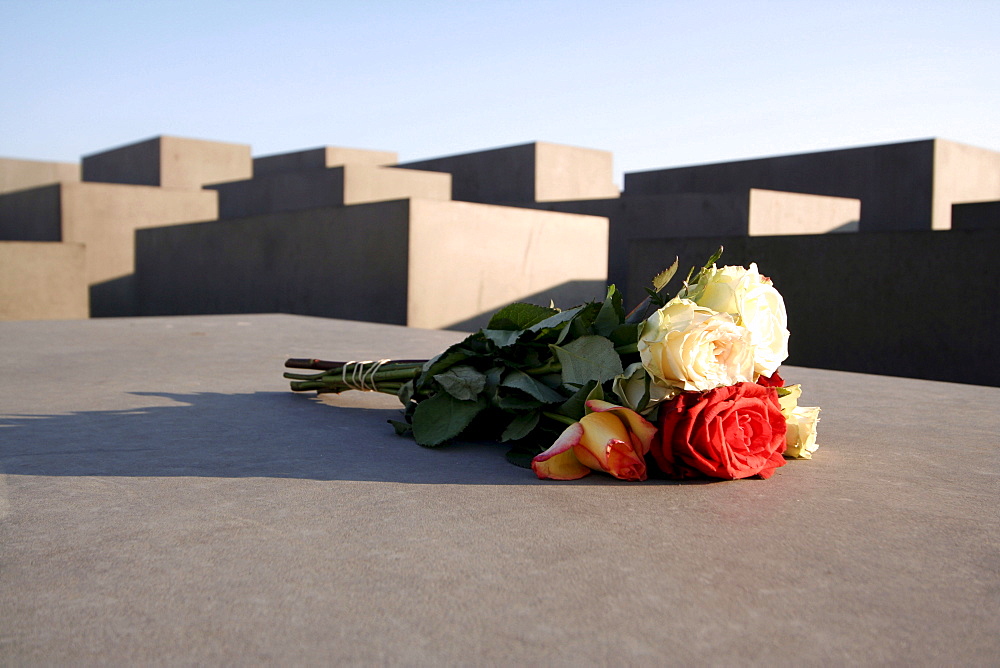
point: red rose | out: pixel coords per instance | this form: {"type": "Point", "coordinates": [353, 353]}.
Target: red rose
{"type": "Point", "coordinates": [774, 380]}
{"type": "Point", "coordinates": [730, 432]}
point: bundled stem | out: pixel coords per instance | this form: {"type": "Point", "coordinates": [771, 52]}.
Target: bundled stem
{"type": "Point", "coordinates": [385, 376]}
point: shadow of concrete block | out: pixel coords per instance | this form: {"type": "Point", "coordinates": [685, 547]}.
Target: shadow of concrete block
{"type": "Point", "coordinates": [422, 263]}
{"type": "Point", "coordinates": [915, 304]}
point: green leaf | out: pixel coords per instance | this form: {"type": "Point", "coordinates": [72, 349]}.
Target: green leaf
{"type": "Point", "coordinates": [462, 382]}
{"type": "Point", "coordinates": [443, 417]}
{"type": "Point", "coordinates": [576, 406]}
{"type": "Point", "coordinates": [556, 319]}
{"type": "Point", "coordinates": [521, 426]}
{"type": "Point", "coordinates": [611, 314]}
{"type": "Point", "coordinates": [516, 403]}
{"type": "Point", "coordinates": [519, 316]}
{"type": "Point", "coordinates": [588, 358]}
{"type": "Point", "coordinates": [596, 394]}
{"type": "Point", "coordinates": [441, 363]}
{"type": "Point", "coordinates": [704, 269]}
{"type": "Point", "coordinates": [582, 323]}
{"type": "Point", "coordinates": [503, 338]}
{"type": "Point", "coordinates": [661, 279]}
{"type": "Point", "coordinates": [715, 258]}
{"type": "Point", "coordinates": [402, 428]}
{"type": "Point", "coordinates": [493, 378]}
{"type": "Point", "coordinates": [405, 392]}
{"type": "Point", "coordinates": [625, 334]}
{"type": "Point", "coordinates": [522, 381]}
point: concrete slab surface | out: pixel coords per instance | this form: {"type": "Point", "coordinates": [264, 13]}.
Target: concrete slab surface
{"type": "Point", "coordinates": [164, 499]}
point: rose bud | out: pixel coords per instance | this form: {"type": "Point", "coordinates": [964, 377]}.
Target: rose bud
{"type": "Point", "coordinates": [611, 439]}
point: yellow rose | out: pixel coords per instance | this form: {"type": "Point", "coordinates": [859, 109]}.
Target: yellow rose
{"type": "Point", "coordinates": [788, 399]}
{"type": "Point", "coordinates": [755, 304]}
{"type": "Point", "coordinates": [692, 347]}
{"type": "Point", "coordinates": [611, 438]}
{"type": "Point", "coordinates": [800, 439]}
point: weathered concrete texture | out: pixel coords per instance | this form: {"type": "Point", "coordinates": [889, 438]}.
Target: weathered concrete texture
{"type": "Point", "coordinates": [103, 217]}
{"type": "Point", "coordinates": [754, 212]}
{"type": "Point", "coordinates": [467, 260]}
{"type": "Point", "coordinates": [320, 158]}
{"type": "Point", "coordinates": [422, 263]}
{"type": "Point", "coordinates": [318, 188]}
{"type": "Point", "coordinates": [904, 186]}
{"type": "Point", "coordinates": [772, 213]}
{"type": "Point", "coordinates": [165, 500]}
{"type": "Point", "coordinates": [917, 304]}
{"type": "Point", "coordinates": [976, 216]}
{"type": "Point", "coordinates": [535, 172]}
{"type": "Point", "coordinates": [42, 281]}
{"type": "Point", "coordinates": [20, 174]}
{"type": "Point", "coordinates": [170, 162]}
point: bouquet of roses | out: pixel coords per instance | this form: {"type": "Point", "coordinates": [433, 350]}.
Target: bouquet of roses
{"type": "Point", "coordinates": [680, 387]}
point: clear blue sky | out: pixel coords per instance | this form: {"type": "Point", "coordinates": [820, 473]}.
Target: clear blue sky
{"type": "Point", "coordinates": [657, 83]}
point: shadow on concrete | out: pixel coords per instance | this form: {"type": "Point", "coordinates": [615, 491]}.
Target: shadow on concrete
{"type": "Point", "coordinates": [263, 434]}
{"type": "Point", "coordinates": [114, 298]}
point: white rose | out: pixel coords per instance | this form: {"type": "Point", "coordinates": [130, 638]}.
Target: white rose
{"type": "Point", "coordinates": [692, 347]}
{"type": "Point", "coordinates": [800, 439]}
{"type": "Point", "coordinates": [755, 304]}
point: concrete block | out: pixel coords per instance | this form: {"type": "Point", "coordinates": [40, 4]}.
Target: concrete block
{"type": "Point", "coordinates": [422, 263]}
{"type": "Point", "coordinates": [535, 172]}
{"type": "Point", "coordinates": [976, 216]}
{"type": "Point", "coordinates": [347, 262]}
{"type": "Point", "coordinates": [573, 173]}
{"type": "Point", "coordinates": [962, 173]}
{"type": "Point", "coordinates": [754, 212]}
{"type": "Point", "coordinates": [880, 303]}
{"type": "Point", "coordinates": [20, 174]}
{"type": "Point", "coordinates": [468, 260]}
{"type": "Point", "coordinates": [903, 186]}
{"type": "Point", "coordinates": [170, 162]}
{"type": "Point", "coordinates": [773, 213]}
{"type": "Point", "coordinates": [320, 158]}
{"type": "Point", "coordinates": [43, 281]}
{"type": "Point", "coordinates": [103, 216]}
{"type": "Point", "coordinates": [336, 186]}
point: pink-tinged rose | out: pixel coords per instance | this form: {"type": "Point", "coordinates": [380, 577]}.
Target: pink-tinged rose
{"type": "Point", "coordinates": [611, 438]}
{"type": "Point", "coordinates": [756, 305]}
{"type": "Point", "coordinates": [730, 432]}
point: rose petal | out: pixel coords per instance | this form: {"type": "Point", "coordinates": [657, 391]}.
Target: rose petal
{"type": "Point", "coordinates": [598, 430]}
{"type": "Point", "coordinates": [559, 462]}
{"type": "Point", "coordinates": [639, 427]}
{"type": "Point", "coordinates": [624, 463]}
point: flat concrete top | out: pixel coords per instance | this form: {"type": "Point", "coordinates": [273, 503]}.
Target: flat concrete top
{"type": "Point", "coordinates": [164, 499]}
